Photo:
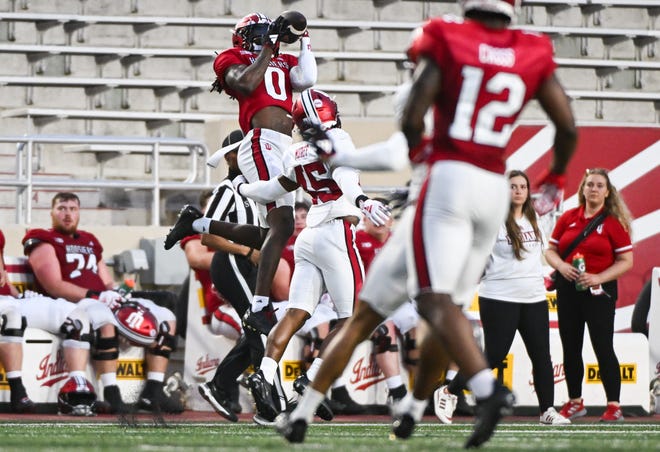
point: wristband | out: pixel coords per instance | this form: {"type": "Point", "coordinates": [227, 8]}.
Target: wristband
{"type": "Point", "coordinates": [92, 294]}
{"type": "Point", "coordinates": [360, 199]}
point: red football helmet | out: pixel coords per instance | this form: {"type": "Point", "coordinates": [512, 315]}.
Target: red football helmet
{"type": "Point", "coordinates": [508, 8]}
{"type": "Point", "coordinates": [137, 323]}
{"type": "Point", "coordinates": [77, 397]}
{"type": "Point", "coordinates": [249, 32]}
{"type": "Point", "coordinates": [315, 106]}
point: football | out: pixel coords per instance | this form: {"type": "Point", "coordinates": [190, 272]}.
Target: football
{"type": "Point", "coordinates": [295, 24]}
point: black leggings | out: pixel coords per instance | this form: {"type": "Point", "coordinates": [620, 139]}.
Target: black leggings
{"type": "Point", "coordinates": [574, 311]}
{"type": "Point", "coordinates": [235, 277]}
{"type": "Point", "coordinates": [501, 320]}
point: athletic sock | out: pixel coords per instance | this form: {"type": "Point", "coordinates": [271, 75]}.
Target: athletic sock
{"type": "Point", "coordinates": [268, 367]}
{"type": "Point", "coordinates": [259, 302]}
{"type": "Point", "coordinates": [481, 384]}
{"type": "Point", "coordinates": [314, 368]}
{"type": "Point", "coordinates": [307, 405]}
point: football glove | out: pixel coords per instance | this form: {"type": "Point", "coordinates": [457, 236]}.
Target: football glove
{"type": "Point", "coordinates": [376, 211]}
{"type": "Point", "coordinates": [314, 134]}
{"type": "Point", "coordinates": [111, 299]}
{"type": "Point", "coordinates": [550, 192]}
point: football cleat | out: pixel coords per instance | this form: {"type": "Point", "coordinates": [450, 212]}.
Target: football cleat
{"type": "Point", "coordinates": [183, 226]}
{"type": "Point", "coordinates": [260, 390]}
{"type": "Point", "coordinates": [112, 396]}
{"type": "Point", "coordinates": [403, 425]}
{"type": "Point", "coordinates": [261, 321]}
{"type": "Point", "coordinates": [217, 400]}
{"type": "Point", "coordinates": [293, 431]}
{"type": "Point", "coordinates": [23, 406]}
{"type": "Point", "coordinates": [489, 412]}
{"type": "Point", "coordinates": [323, 410]}
{"type": "Point", "coordinates": [342, 403]}
{"type": "Point", "coordinates": [160, 404]}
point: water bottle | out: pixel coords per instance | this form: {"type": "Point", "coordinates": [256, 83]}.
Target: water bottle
{"type": "Point", "coordinates": [578, 262]}
{"type": "Point", "coordinates": [126, 287]}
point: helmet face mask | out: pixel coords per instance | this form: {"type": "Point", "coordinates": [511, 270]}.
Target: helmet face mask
{"type": "Point", "coordinates": [77, 397]}
{"type": "Point", "coordinates": [250, 32]}
{"type": "Point", "coordinates": [315, 106]}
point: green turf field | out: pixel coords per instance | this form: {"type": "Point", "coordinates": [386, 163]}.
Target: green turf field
{"type": "Point", "coordinates": [74, 436]}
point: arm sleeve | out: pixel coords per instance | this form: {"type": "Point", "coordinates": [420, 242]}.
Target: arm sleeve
{"type": "Point", "coordinates": [349, 181]}
{"type": "Point", "coordinates": [390, 155]}
{"type": "Point", "coordinates": [304, 74]}
{"type": "Point", "coordinates": [263, 191]}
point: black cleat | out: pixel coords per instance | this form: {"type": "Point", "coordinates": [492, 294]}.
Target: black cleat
{"type": "Point", "coordinates": [23, 406]}
{"type": "Point", "coordinates": [217, 400]}
{"type": "Point", "coordinates": [293, 431]}
{"type": "Point", "coordinates": [183, 226]}
{"type": "Point", "coordinates": [115, 405]}
{"type": "Point", "coordinates": [260, 390]}
{"type": "Point", "coordinates": [160, 403]}
{"type": "Point", "coordinates": [489, 411]}
{"type": "Point", "coordinates": [342, 403]}
{"type": "Point", "coordinates": [403, 425]}
{"type": "Point", "coordinates": [260, 321]}
{"type": "Point", "coordinates": [323, 410]}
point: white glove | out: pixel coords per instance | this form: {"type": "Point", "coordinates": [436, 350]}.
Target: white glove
{"type": "Point", "coordinates": [376, 211]}
{"type": "Point", "coordinates": [111, 299]}
{"type": "Point", "coordinates": [238, 181]}
{"type": "Point", "coordinates": [30, 294]}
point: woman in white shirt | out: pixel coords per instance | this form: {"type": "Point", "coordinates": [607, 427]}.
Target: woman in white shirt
{"type": "Point", "coordinates": [512, 295]}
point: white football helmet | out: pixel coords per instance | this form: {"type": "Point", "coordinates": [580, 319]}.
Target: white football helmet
{"type": "Point", "coordinates": [508, 8]}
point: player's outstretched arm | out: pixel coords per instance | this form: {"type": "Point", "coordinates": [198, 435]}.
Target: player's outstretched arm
{"type": "Point", "coordinates": [264, 191]}
{"type": "Point", "coordinates": [304, 75]}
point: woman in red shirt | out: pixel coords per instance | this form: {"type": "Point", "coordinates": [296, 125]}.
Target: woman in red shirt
{"type": "Point", "coordinates": [607, 253]}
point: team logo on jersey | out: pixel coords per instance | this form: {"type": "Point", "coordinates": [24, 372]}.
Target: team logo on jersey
{"type": "Point", "coordinates": [52, 369]}
{"type": "Point", "coordinates": [206, 364]}
{"type": "Point", "coordinates": [59, 240]}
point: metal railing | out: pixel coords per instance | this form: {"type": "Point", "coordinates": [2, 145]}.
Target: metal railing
{"type": "Point", "coordinates": [26, 181]}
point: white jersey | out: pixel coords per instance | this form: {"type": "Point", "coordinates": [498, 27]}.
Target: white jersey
{"type": "Point", "coordinates": [509, 279]}
{"type": "Point", "coordinates": [321, 181]}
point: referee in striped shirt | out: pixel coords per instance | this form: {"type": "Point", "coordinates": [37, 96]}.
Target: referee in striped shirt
{"type": "Point", "coordinates": [234, 274]}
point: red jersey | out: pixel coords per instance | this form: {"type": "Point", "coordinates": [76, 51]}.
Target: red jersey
{"type": "Point", "coordinates": [4, 290]}
{"type": "Point", "coordinates": [78, 256]}
{"type": "Point", "coordinates": [211, 297]}
{"type": "Point", "coordinates": [599, 248]}
{"type": "Point", "coordinates": [274, 90]}
{"type": "Point", "coordinates": [487, 77]}
{"type": "Point", "coordinates": [368, 246]}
